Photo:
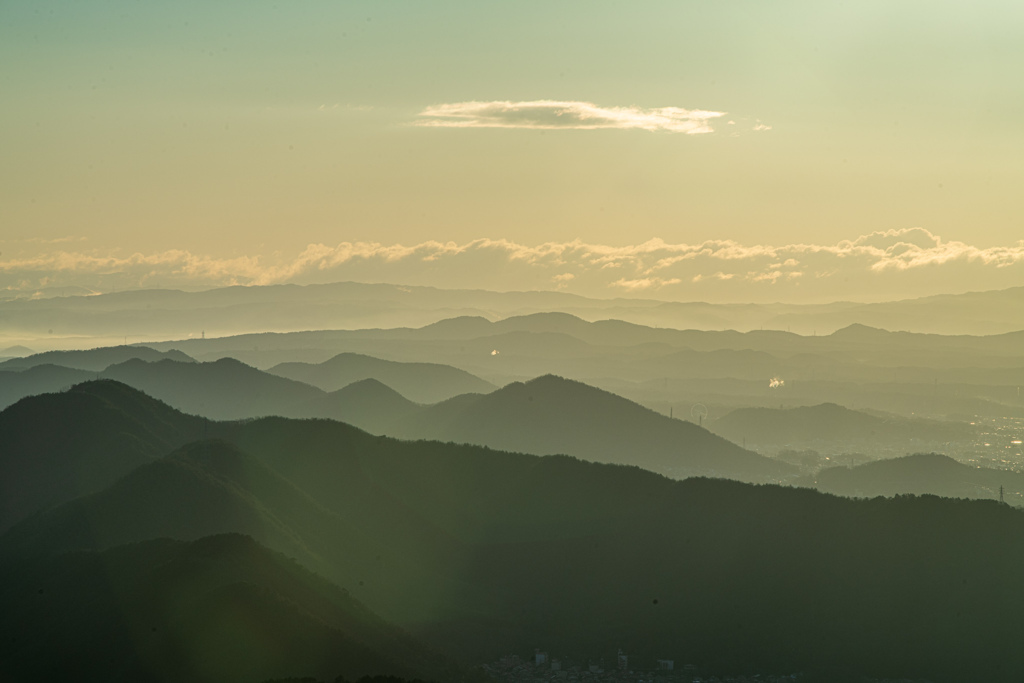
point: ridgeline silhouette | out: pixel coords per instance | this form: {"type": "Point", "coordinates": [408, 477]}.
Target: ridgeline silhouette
{"type": "Point", "coordinates": [419, 382]}
{"type": "Point", "coordinates": [478, 552]}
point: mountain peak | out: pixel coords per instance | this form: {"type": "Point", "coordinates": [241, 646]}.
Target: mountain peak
{"type": "Point", "coordinates": [551, 414]}
{"type": "Point", "coordinates": [859, 330]}
{"type": "Point", "coordinates": [111, 390]}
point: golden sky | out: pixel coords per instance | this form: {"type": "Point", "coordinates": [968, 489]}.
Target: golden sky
{"type": "Point", "coordinates": [724, 151]}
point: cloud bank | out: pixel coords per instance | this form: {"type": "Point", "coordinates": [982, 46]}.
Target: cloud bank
{"type": "Point", "coordinates": [872, 267]}
{"type": "Point", "coordinates": [554, 114]}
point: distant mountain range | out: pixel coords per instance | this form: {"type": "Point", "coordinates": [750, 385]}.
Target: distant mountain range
{"type": "Point", "coordinates": [568, 417]}
{"type": "Point", "coordinates": [474, 551]}
{"type": "Point", "coordinates": [93, 360]}
{"type": "Point", "coordinates": [547, 415]}
{"type": "Point", "coordinates": [16, 351]}
{"type": "Point", "coordinates": [419, 382]}
{"type": "Point", "coordinates": [228, 389]}
{"type": "Point", "coordinates": [163, 314]}
{"type": "Point", "coordinates": [551, 415]}
{"type": "Point", "coordinates": [857, 366]}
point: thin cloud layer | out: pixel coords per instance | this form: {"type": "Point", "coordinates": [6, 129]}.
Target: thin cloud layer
{"type": "Point", "coordinates": [876, 266]}
{"type": "Point", "coordinates": [554, 114]}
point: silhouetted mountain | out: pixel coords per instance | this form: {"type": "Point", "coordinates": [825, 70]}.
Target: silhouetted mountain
{"type": "Point", "coordinates": [898, 372]}
{"type": "Point", "coordinates": [771, 579]}
{"type": "Point", "coordinates": [202, 489]}
{"type": "Point", "coordinates": [206, 488]}
{"type": "Point", "coordinates": [567, 417]}
{"type": "Point", "coordinates": [55, 447]}
{"type": "Point", "coordinates": [553, 415]}
{"type": "Point", "coordinates": [221, 609]}
{"type": "Point", "coordinates": [502, 552]}
{"type": "Point", "coordinates": [829, 422]}
{"type": "Point", "coordinates": [922, 473]}
{"type": "Point", "coordinates": [367, 404]}
{"type": "Point", "coordinates": [550, 322]}
{"type": "Point", "coordinates": [223, 390]}
{"type": "Point", "coordinates": [990, 312]}
{"type": "Point", "coordinates": [419, 382]}
{"type": "Point", "coordinates": [461, 327]}
{"type": "Point", "coordinates": [510, 551]}
{"type": "Point", "coordinates": [39, 379]}
{"type": "Point", "coordinates": [94, 359]}
{"type": "Point", "coordinates": [16, 351]}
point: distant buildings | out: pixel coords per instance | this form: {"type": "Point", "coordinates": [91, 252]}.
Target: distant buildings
{"type": "Point", "coordinates": [543, 669]}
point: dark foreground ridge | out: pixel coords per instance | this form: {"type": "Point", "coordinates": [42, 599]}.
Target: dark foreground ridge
{"type": "Point", "coordinates": [478, 553]}
{"type": "Point", "coordinates": [221, 609]}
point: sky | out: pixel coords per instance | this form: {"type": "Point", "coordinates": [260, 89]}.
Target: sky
{"type": "Point", "coordinates": [715, 151]}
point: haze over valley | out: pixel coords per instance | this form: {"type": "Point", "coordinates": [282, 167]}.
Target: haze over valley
{"type": "Point", "coordinates": [461, 342]}
{"type": "Point", "coordinates": [433, 502]}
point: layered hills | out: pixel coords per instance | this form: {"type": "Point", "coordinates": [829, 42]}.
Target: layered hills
{"type": "Point", "coordinates": [547, 415]}
{"type": "Point", "coordinates": [93, 360]}
{"type": "Point", "coordinates": [233, 310]}
{"type": "Point", "coordinates": [856, 366]}
{"type": "Point", "coordinates": [506, 551]}
{"type": "Point", "coordinates": [419, 382]}
{"type": "Point", "coordinates": [229, 389]}
{"type": "Point", "coordinates": [910, 374]}
{"type": "Point", "coordinates": [224, 390]}
{"type": "Point", "coordinates": [38, 379]}
{"type": "Point", "coordinates": [368, 404]}
{"type": "Point", "coordinates": [56, 447]}
{"type": "Point", "coordinates": [551, 415]}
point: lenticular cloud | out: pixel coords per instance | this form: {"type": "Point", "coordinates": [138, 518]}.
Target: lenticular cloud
{"type": "Point", "coordinates": [552, 114]}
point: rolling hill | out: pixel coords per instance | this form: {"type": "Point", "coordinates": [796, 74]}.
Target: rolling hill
{"type": "Point", "coordinates": [39, 379]}
{"type": "Point", "coordinates": [16, 351]}
{"type": "Point", "coordinates": [222, 390]}
{"type": "Point", "coordinates": [419, 382]}
{"type": "Point", "coordinates": [367, 404]}
{"type": "Point", "coordinates": [921, 473]}
{"type": "Point", "coordinates": [55, 447]}
{"type": "Point", "coordinates": [510, 551]}
{"type": "Point", "coordinates": [94, 360]}
{"type": "Point", "coordinates": [551, 415]}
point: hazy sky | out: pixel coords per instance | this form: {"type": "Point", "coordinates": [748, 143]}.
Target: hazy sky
{"type": "Point", "coordinates": [683, 150]}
